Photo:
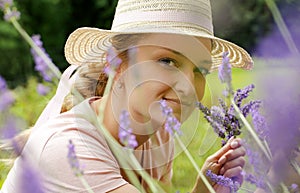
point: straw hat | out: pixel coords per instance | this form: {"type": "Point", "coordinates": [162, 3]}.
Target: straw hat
{"type": "Point", "coordinates": [189, 17]}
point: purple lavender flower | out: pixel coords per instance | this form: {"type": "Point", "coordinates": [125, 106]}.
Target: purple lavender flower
{"type": "Point", "coordinates": [113, 61]}
{"type": "Point", "coordinates": [73, 160]}
{"type": "Point", "coordinates": [5, 3]}
{"type": "Point", "coordinates": [258, 181]}
{"type": "Point", "coordinates": [260, 124]}
{"type": "Point", "coordinates": [222, 120]}
{"type": "Point", "coordinates": [6, 96]}
{"type": "Point", "coordinates": [225, 72]}
{"type": "Point", "coordinates": [217, 119]}
{"type": "Point", "coordinates": [6, 100]}
{"type": "Point", "coordinates": [31, 181]}
{"type": "Point", "coordinates": [3, 85]}
{"type": "Point", "coordinates": [12, 14]}
{"type": "Point", "coordinates": [9, 131]}
{"type": "Point", "coordinates": [282, 113]}
{"type": "Point", "coordinates": [250, 107]}
{"type": "Point", "coordinates": [172, 124]}
{"type": "Point", "coordinates": [294, 188]}
{"type": "Point", "coordinates": [223, 181]}
{"type": "Point", "coordinates": [125, 132]}
{"type": "Point", "coordinates": [42, 89]}
{"type": "Point", "coordinates": [242, 94]}
{"type": "Point", "coordinates": [40, 65]}
{"type": "Point", "coordinates": [9, 128]}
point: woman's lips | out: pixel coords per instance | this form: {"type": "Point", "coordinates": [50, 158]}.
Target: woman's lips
{"type": "Point", "coordinates": [177, 101]}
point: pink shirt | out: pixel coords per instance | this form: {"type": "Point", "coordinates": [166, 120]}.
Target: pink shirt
{"type": "Point", "coordinates": [47, 150]}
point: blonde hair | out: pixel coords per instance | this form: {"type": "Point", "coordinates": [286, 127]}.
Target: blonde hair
{"type": "Point", "coordinates": [91, 79]}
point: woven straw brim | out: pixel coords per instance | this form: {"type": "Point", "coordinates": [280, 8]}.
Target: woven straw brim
{"type": "Point", "coordinates": [88, 46]}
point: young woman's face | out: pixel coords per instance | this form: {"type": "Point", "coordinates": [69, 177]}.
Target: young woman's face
{"type": "Point", "coordinates": [165, 67]}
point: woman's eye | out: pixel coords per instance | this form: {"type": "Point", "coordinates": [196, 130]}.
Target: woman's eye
{"type": "Point", "coordinates": [168, 62]}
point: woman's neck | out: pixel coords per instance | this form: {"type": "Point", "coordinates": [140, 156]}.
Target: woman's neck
{"type": "Point", "coordinates": [111, 124]}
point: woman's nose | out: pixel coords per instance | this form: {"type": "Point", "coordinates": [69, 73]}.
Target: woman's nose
{"type": "Point", "coordinates": [185, 83]}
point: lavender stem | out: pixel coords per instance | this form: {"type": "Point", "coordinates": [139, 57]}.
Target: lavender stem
{"type": "Point", "coordinates": [252, 132]}
{"type": "Point", "coordinates": [35, 47]}
{"type": "Point", "coordinates": [204, 179]}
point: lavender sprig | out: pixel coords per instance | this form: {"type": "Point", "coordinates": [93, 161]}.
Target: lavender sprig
{"type": "Point", "coordinates": [225, 74]}
{"type": "Point", "coordinates": [125, 132]}
{"type": "Point", "coordinates": [76, 167]}
{"type": "Point", "coordinates": [73, 160]}
{"type": "Point", "coordinates": [172, 125]}
{"type": "Point", "coordinates": [40, 64]}
{"type": "Point", "coordinates": [113, 61]}
{"type": "Point", "coordinates": [10, 12]}
{"type": "Point", "coordinates": [6, 96]}
{"type": "Point", "coordinates": [42, 89]}
{"type": "Point", "coordinates": [31, 181]}
{"type": "Point", "coordinates": [223, 181]}
{"type": "Point", "coordinates": [222, 119]}
{"type": "Point", "coordinates": [294, 188]}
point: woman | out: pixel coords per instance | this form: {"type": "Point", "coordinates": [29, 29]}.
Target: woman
{"type": "Point", "coordinates": [164, 50]}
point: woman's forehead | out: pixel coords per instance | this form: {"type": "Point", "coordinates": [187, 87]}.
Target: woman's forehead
{"type": "Point", "coordinates": [195, 49]}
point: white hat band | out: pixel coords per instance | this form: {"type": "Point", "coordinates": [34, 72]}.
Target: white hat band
{"type": "Point", "coordinates": [157, 16]}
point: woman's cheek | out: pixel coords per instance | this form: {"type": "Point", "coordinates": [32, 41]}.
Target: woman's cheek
{"type": "Point", "coordinates": [200, 88]}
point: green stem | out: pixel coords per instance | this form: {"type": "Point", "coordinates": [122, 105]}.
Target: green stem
{"type": "Point", "coordinates": [129, 161]}
{"type": "Point", "coordinates": [250, 129]}
{"type": "Point", "coordinates": [267, 147]}
{"type": "Point", "coordinates": [29, 40]}
{"type": "Point", "coordinates": [270, 187]}
{"type": "Point", "coordinates": [86, 185]}
{"type": "Point", "coordinates": [145, 175]}
{"type": "Point", "coordinates": [295, 166]}
{"type": "Point", "coordinates": [284, 188]}
{"type": "Point", "coordinates": [203, 178]}
{"type": "Point", "coordinates": [282, 26]}
{"type": "Point", "coordinates": [108, 87]}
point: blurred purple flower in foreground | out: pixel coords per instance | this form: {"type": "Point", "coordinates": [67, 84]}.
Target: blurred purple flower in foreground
{"type": "Point", "coordinates": [10, 128]}
{"type": "Point", "coordinates": [3, 85]}
{"type": "Point", "coordinates": [9, 11]}
{"type": "Point", "coordinates": [12, 14]}
{"type": "Point", "coordinates": [172, 125]}
{"type": "Point", "coordinates": [223, 181]}
{"type": "Point", "coordinates": [40, 64]}
{"type": "Point", "coordinates": [283, 108]}
{"type": "Point", "coordinates": [72, 158]}
{"type": "Point", "coordinates": [225, 74]}
{"type": "Point", "coordinates": [5, 3]}
{"type": "Point", "coordinates": [31, 181]}
{"type": "Point", "coordinates": [294, 188]}
{"type": "Point", "coordinates": [6, 96]}
{"type": "Point", "coordinates": [125, 132]}
{"type": "Point", "coordinates": [42, 89]}
{"type": "Point", "coordinates": [112, 61]}
{"type": "Point", "coordinates": [274, 46]}
{"type": "Point", "coordinates": [282, 99]}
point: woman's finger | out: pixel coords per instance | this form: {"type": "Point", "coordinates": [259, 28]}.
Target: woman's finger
{"type": "Point", "coordinates": [233, 172]}
{"type": "Point", "coordinates": [231, 144]}
{"type": "Point", "coordinates": [235, 153]}
{"type": "Point", "coordinates": [240, 161]}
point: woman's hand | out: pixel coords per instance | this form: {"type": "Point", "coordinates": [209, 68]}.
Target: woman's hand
{"type": "Point", "coordinates": [228, 161]}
